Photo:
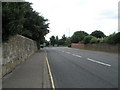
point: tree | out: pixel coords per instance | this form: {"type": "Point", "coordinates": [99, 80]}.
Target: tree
{"type": "Point", "coordinates": [87, 39]}
{"type": "Point", "coordinates": [57, 40]}
{"type": "Point", "coordinates": [116, 38]}
{"type": "Point", "coordinates": [12, 18]}
{"type": "Point", "coordinates": [64, 37]}
{"type": "Point", "coordinates": [68, 41]}
{"type": "Point", "coordinates": [62, 40]}
{"type": "Point", "coordinates": [20, 18]}
{"type": "Point", "coordinates": [52, 40]}
{"type": "Point", "coordinates": [47, 43]}
{"type": "Point", "coordinates": [78, 36]}
{"type": "Point", "coordinates": [94, 40]}
{"type": "Point", "coordinates": [98, 34]}
{"type": "Point", "coordinates": [112, 39]}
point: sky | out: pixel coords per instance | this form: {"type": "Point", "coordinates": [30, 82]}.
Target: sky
{"type": "Point", "coordinates": [68, 16]}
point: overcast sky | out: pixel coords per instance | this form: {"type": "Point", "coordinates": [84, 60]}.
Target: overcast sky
{"type": "Point", "coordinates": [68, 16]}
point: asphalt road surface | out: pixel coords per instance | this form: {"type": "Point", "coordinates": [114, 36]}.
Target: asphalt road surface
{"type": "Point", "coordinates": [77, 68]}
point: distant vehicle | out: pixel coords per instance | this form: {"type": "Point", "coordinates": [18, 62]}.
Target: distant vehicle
{"type": "Point", "coordinates": [69, 45]}
{"type": "Point", "coordinates": [41, 45]}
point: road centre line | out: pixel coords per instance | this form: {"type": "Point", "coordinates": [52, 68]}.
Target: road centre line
{"type": "Point", "coordinates": [99, 62]}
{"type": "Point", "coordinates": [91, 60]}
{"type": "Point", "coordinates": [76, 55]}
{"type": "Point", "coordinates": [76, 49]}
{"type": "Point", "coordinates": [73, 54]}
{"type": "Point", "coordinates": [68, 52]}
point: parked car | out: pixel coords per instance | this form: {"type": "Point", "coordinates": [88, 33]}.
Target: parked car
{"type": "Point", "coordinates": [69, 45]}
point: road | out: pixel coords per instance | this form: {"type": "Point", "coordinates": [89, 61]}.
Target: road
{"type": "Point", "coordinates": [77, 68]}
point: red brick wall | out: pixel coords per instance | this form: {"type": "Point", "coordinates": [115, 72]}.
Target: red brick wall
{"type": "Point", "coordinates": [81, 46]}
{"type": "Point", "coordinates": [99, 47]}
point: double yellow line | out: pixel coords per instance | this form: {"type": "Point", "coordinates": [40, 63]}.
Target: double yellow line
{"type": "Point", "coordinates": [50, 73]}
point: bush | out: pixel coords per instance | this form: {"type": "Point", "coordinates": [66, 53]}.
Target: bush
{"type": "Point", "coordinates": [116, 38]}
{"type": "Point", "coordinates": [109, 39]}
{"type": "Point", "coordinates": [94, 40]}
{"type": "Point", "coordinates": [101, 40]}
{"type": "Point", "coordinates": [87, 39]}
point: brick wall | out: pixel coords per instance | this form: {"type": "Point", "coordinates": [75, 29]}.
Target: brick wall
{"type": "Point", "coordinates": [98, 47]}
{"type": "Point", "coordinates": [81, 46]}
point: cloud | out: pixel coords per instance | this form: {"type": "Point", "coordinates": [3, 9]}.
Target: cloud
{"type": "Point", "coordinates": [74, 15]}
{"type": "Point", "coordinates": [12, 0]}
{"type": "Point", "coordinates": [109, 14]}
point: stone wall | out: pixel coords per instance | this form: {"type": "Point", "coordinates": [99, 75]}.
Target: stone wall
{"type": "Point", "coordinates": [15, 51]}
{"type": "Point", "coordinates": [98, 47]}
{"type": "Point", "coordinates": [0, 60]}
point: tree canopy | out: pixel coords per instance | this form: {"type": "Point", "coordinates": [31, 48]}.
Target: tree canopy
{"type": "Point", "coordinates": [52, 40]}
{"type": "Point", "coordinates": [20, 18]}
{"type": "Point", "coordinates": [78, 36]}
{"type": "Point", "coordinates": [113, 38]}
{"type": "Point", "coordinates": [62, 40]}
{"type": "Point", "coordinates": [98, 34]}
{"type": "Point", "coordinates": [56, 40]}
{"type": "Point", "coordinates": [87, 39]}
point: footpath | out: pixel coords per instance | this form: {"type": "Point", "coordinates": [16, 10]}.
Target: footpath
{"type": "Point", "coordinates": [33, 73]}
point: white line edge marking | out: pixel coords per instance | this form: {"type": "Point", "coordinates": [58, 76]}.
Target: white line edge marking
{"type": "Point", "coordinates": [98, 62]}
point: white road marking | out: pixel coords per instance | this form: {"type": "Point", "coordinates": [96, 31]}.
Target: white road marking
{"type": "Point", "coordinates": [90, 59]}
{"type": "Point", "coordinates": [68, 52]}
{"type": "Point", "coordinates": [76, 49]}
{"type": "Point", "coordinates": [73, 54]}
{"type": "Point", "coordinates": [76, 55]}
{"type": "Point", "coordinates": [98, 62]}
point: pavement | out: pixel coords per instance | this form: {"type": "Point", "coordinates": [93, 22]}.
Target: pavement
{"type": "Point", "coordinates": [78, 68]}
{"type": "Point", "coordinates": [33, 73]}
{"type": "Point", "coordinates": [0, 67]}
